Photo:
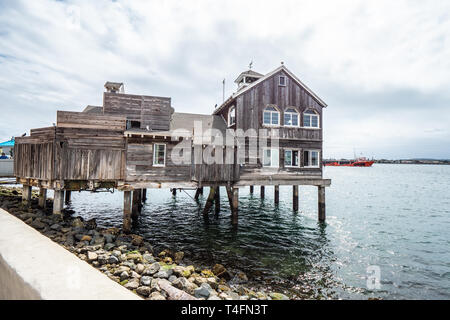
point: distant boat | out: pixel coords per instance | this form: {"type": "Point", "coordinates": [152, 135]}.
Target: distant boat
{"type": "Point", "coordinates": [359, 162]}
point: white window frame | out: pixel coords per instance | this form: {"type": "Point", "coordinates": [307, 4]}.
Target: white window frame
{"type": "Point", "coordinates": [310, 157]}
{"type": "Point", "coordinates": [232, 108]}
{"type": "Point", "coordinates": [279, 81]}
{"type": "Point", "coordinates": [271, 158]}
{"type": "Point", "coordinates": [299, 158]}
{"type": "Point", "coordinates": [291, 113]}
{"type": "Point", "coordinates": [277, 111]}
{"type": "Point", "coordinates": [310, 122]}
{"type": "Point", "coordinates": [154, 154]}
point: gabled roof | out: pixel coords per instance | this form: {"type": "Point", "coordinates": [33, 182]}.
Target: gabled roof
{"type": "Point", "coordinates": [267, 76]}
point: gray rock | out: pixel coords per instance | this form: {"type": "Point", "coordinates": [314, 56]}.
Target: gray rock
{"type": "Point", "coordinates": [149, 258]}
{"type": "Point", "coordinates": [140, 268]}
{"type": "Point", "coordinates": [55, 227]}
{"type": "Point", "coordinates": [146, 280]}
{"type": "Point", "coordinates": [164, 274]}
{"type": "Point", "coordinates": [203, 291]}
{"type": "Point", "coordinates": [124, 276]}
{"type": "Point", "coordinates": [109, 246]}
{"type": "Point", "coordinates": [92, 256]}
{"type": "Point", "coordinates": [103, 259]}
{"type": "Point", "coordinates": [109, 238]}
{"type": "Point", "coordinates": [214, 297]}
{"type": "Point", "coordinates": [233, 295]}
{"type": "Point", "coordinates": [152, 269]}
{"type": "Point", "coordinates": [172, 278]}
{"type": "Point", "coordinates": [37, 224]}
{"type": "Point", "coordinates": [157, 296]}
{"type": "Point", "coordinates": [143, 291]}
{"type": "Point", "coordinates": [113, 260]}
{"type": "Point", "coordinates": [132, 285]}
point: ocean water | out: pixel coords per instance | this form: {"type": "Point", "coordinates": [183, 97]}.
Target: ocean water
{"type": "Point", "coordinates": [391, 219]}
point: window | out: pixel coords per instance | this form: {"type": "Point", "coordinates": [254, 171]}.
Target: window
{"type": "Point", "coordinates": [291, 118]}
{"type": "Point", "coordinates": [159, 155]}
{"type": "Point", "coordinates": [310, 119]}
{"type": "Point", "coordinates": [311, 158]}
{"type": "Point", "coordinates": [271, 116]}
{"type": "Point", "coordinates": [133, 124]}
{"type": "Point", "coordinates": [271, 158]}
{"type": "Point", "coordinates": [291, 158]}
{"type": "Point", "coordinates": [231, 116]}
{"type": "Point", "coordinates": [282, 81]}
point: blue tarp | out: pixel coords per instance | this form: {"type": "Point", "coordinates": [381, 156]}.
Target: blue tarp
{"type": "Point", "coordinates": [9, 143]}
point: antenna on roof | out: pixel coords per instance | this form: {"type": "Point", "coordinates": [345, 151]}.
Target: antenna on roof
{"type": "Point", "coordinates": [250, 65]}
{"type": "Point", "coordinates": [223, 89]}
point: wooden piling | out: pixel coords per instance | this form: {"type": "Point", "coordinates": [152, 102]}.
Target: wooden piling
{"type": "Point", "coordinates": [321, 205]}
{"type": "Point", "coordinates": [137, 203]}
{"type": "Point", "coordinates": [174, 192]}
{"type": "Point", "coordinates": [42, 198]}
{"type": "Point", "coordinates": [198, 192]}
{"type": "Point", "coordinates": [234, 206]}
{"type": "Point", "coordinates": [144, 195]}
{"type": "Point", "coordinates": [126, 211]}
{"type": "Point", "coordinates": [58, 201]}
{"type": "Point", "coordinates": [201, 190]}
{"type": "Point", "coordinates": [26, 195]}
{"type": "Point", "coordinates": [67, 196]}
{"type": "Point", "coordinates": [251, 189]}
{"type": "Point", "coordinates": [262, 193]}
{"type": "Point", "coordinates": [209, 201]}
{"type": "Point", "coordinates": [295, 198]}
{"type": "Point", "coordinates": [277, 194]}
{"type": "Point", "coordinates": [217, 200]}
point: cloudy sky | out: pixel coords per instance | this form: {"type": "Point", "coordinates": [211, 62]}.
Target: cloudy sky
{"type": "Point", "coordinates": [383, 67]}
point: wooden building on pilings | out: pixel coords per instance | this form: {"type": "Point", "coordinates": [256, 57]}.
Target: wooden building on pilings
{"type": "Point", "coordinates": [134, 142]}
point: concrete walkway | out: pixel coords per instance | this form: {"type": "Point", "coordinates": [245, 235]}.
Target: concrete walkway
{"type": "Point", "coordinates": [34, 267]}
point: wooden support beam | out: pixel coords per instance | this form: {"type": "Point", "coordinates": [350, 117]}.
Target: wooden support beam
{"type": "Point", "coordinates": [251, 189]}
{"type": "Point", "coordinates": [58, 201]}
{"type": "Point", "coordinates": [144, 195]}
{"type": "Point", "coordinates": [126, 211]}
{"type": "Point", "coordinates": [321, 198]}
{"type": "Point", "coordinates": [201, 190]}
{"type": "Point", "coordinates": [217, 200]}
{"type": "Point", "coordinates": [198, 192]}
{"type": "Point", "coordinates": [295, 198]}
{"type": "Point", "coordinates": [234, 206]}
{"type": "Point", "coordinates": [209, 201]}
{"type": "Point", "coordinates": [137, 203]}
{"type": "Point", "coordinates": [262, 193]}
{"type": "Point", "coordinates": [276, 194]}
{"type": "Point", "coordinates": [174, 192]}
{"type": "Point", "coordinates": [67, 197]}
{"type": "Point", "coordinates": [42, 198]}
{"type": "Point", "coordinates": [26, 195]}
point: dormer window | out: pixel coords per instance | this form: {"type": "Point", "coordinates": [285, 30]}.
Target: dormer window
{"type": "Point", "coordinates": [291, 117]}
{"type": "Point", "coordinates": [232, 116]}
{"type": "Point", "coordinates": [282, 81]}
{"type": "Point", "coordinates": [310, 119]}
{"type": "Point", "coordinates": [271, 116]}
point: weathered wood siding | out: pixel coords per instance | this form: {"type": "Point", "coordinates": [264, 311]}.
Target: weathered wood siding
{"type": "Point", "coordinates": [154, 112]}
{"type": "Point", "coordinates": [66, 119]}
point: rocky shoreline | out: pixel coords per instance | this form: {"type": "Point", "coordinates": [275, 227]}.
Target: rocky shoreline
{"type": "Point", "coordinates": [130, 260]}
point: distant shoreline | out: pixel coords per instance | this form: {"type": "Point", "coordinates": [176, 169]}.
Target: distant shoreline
{"type": "Point", "coordinates": [405, 161]}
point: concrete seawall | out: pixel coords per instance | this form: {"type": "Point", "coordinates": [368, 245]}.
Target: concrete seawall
{"type": "Point", "coordinates": [34, 267]}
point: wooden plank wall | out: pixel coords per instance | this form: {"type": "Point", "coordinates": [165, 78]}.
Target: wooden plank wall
{"type": "Point", "coordinates": [34, 155]}
{"type": "Point", "coordinates": [139, 162]}
{"type": "Point", "coordinates": [66, 119]}
{"type": "Point", "coordinates": [154, 112]}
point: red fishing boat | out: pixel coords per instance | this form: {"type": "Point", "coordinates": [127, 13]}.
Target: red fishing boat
{"type": "Point", "coordinates": [359, 162]}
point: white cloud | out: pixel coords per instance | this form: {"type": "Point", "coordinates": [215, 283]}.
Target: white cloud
{"type": "Point", "coordinates": [184, 49]}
